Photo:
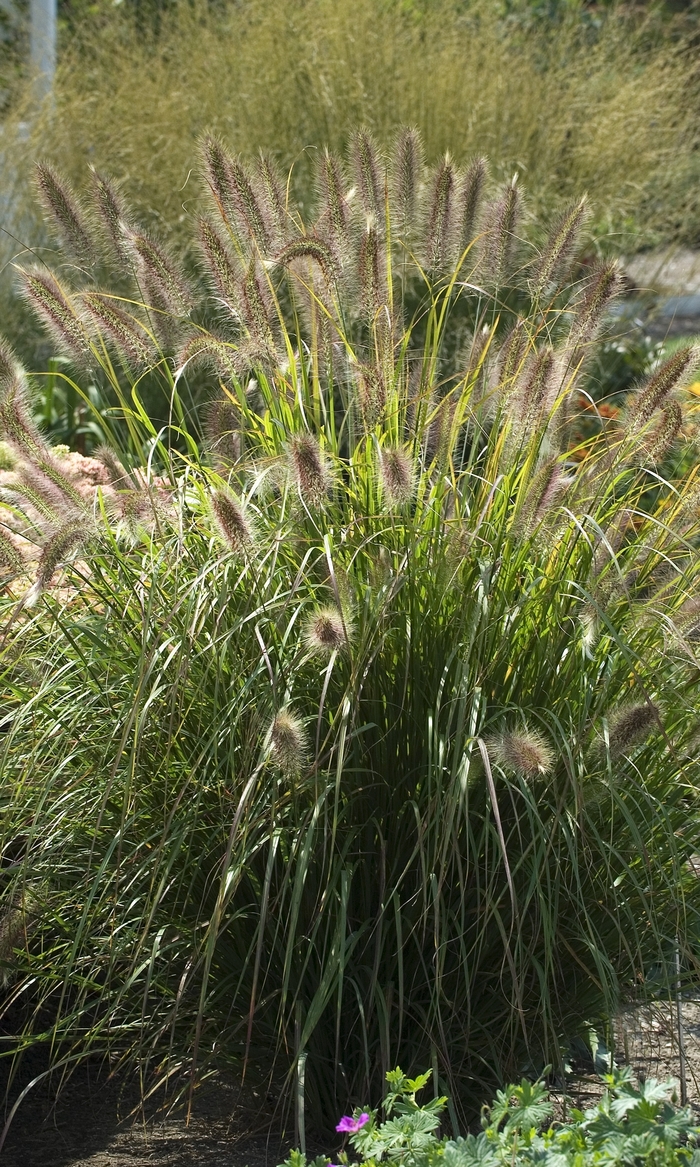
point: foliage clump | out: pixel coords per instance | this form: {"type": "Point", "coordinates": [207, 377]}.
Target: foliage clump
{"type": "Point", "coordinates": [358, 717]}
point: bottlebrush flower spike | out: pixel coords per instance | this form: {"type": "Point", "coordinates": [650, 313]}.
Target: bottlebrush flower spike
{"type": "Point", "coordinates": [559, 247]}
{"type": "Point", "coordinates": [630, 725]}
{"type": "Point", "coordinates": [406, 176]}
{"type": "Point", "coordinates": [368, 174]}
{"type": "Point", "coordinates": [525, 751]}
{"type": "Point", "coordinates": [326, 631]}
{"type": "Point", "coordinates": [439, 230]}
{"type": "Point", "coordinates": [310, 468]}
{"type": "Point", "coordinates": [231, 520]}
{"type": "Point", "coordinates": [287, 741]}
{"type": "Point", "coordinates": [470, 198]}
{"type": "Point", "coordinates": [64, 209]}
{"type": "Point", "coordinates": [51, 304]}
{"type": "Point", "coordinates": [112, 214]}
{"type": "Point", "coordinates": [396, 475]}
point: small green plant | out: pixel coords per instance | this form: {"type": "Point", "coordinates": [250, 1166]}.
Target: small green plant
{"type": "Point", "coordinates": [632, 1125]}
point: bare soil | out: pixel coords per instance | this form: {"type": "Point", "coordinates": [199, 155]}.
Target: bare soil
{"type": "Point", "coordinates": [92, 1123]}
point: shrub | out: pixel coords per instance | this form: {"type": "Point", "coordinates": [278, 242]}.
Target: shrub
{"type": "Point", "coordinates": [361, 721]}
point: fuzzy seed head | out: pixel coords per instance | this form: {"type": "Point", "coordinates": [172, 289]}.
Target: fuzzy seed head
{"type": "Point", "coordinates": [112, 214]}
{"type": "Point", "coordinates": [502, 234]}
{"type": "Point", "coordinates": [371, 393]}
{"type": "Point", "coordinates": [333, 206]}
{"type": "Point", "coordinates": [396, 476]}
{"type": "Point", "coordinates": [220, 264]}
{"type": "Point", "coordinates": [315, 250]}
{"type": "Point", "coordinates": [53, 308]}
{"type": "Point", "coordinates": [287, 742]}
{"type": "Point", "coordinates": [368, 174]}
{"type": "Point", "coordinates": [310, 469]}
{"type": "Point", "coordinates": [524, 751]}
{"type": "Point", "coordinates": [10, 557]}
{"type": "Point", "coordinates": [273, 200]}
{"type": "Point", "coordinates": [65, 212]}
{"type": "Point", "coordinates": [559, 247]}
{"type": "Point", "coordinates": [9, 366]}
{"type": "Point", "coordinates": [630, 725]}
{"type": "Point", "coordinates": [120, 329]}
{"type": "Point", "coordinates": [657, 443]}
{"type": "Point", "coordinates": [604, 286]}
{"type": "Point", "coordinates": [406, 176]}
{"type": "Point", "coordinates": [470, 198]}
{"type": "Point", "coordinates": [661, 384]}
{"type": "Point", "coordinates": [158, 271]}
{"type": "Point", "coordinates": [440, 217]}
{"type": "Point", "coordinates": [231, 521]}
{"type": "Point", "coordinates": [70, 536]}
{"type": "Point", "coordinates": [325, 631]}
{"type": "Point", "coordinates": [222, 428]}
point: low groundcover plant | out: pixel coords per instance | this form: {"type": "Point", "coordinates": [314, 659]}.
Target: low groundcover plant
{"type": "Point", "coordinates": [351, 713]}
{"type": "Point", "coordinates": [633, 1125]}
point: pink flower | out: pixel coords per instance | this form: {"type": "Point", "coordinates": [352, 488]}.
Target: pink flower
{"type": "Point", "coordinates": [350, 1126]}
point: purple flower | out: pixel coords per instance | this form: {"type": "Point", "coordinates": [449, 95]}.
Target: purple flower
{"type": "Point", "coordinates": [350, 1126]}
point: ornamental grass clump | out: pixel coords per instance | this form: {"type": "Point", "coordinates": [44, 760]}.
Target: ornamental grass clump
{"type": "Point", "coordinates": [356, 717]}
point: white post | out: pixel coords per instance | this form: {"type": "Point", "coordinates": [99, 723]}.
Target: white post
{"type": "Point", "coordinates": [43, 44]}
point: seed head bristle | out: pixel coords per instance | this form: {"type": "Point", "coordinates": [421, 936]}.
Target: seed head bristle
{"type": "Point", "coordinates": [372, 272]}
{"type": "Point", "coordinates": [439, 231]}
{"type": "Point", "coordinates": [604, 285]}
{"type": "Point", "coordinates": [221, 266]}
{"type": "Point", "coordinates": [334, 212]}
{"type": "Point", "coordinates": [273, 201]}
{"type": "Point", "coordinates": [16, 422]}
{"type": "Point", "coordinates": [130, 341]}
{"type": "Point", "coordinates": [315, 250]}
{"type": "Point", "coordinates": [660, 385]}
{"type": "Point", "coordinates": [524, 751]}
{"type": "Point", "coordinates": [119, 476]}
{"type": "Point", "coordinates": [534, 394]}
{"type": "Point", "coordinates": [222, 428]}
{"type": "Point", "coordinates": [470, 197]}
{"type": "Point", "coordinates": [406, 172]}
{"type": "Point", "coordinates": [53, 308]}
{"type": "Point", "coordinates": [70, 535]}
{"type": "Point", "coordinates": [216, 159]}
{"type": "Point", "coordinates": [368, 174]}
{"type": "Point", "coordinates": [560, 247]}
{"type": "Point", "coordinates": [657, 443]}
{"type": "Point", "coordinates": [630, 724]}
{"type": "Point", "coordinates": [167, 286]}
{"type": "Point", "coordinates": [325, 631]}
{"type": "Point", "coordinates": [112, 214]}
{"type": "Point", "coordinates": [396, 475]}
{"type": "Point", "coordinates": [511, 357]}
{"type": "Point", "coordinates": [10, 557]}
{"type": "Point", "coordinates": [371, 394]}
{"type": "Point", "coordinates": [546, 488]}
{"type": "Point", "coordinates": [310, 469]}
{"type": "Point", "coordinates": [501, 239]}
{"type": "Point", "coordinates": [10, 369]}
{"type": "Point", "coordinates": [65, 212]}
{"type": "Point", "coordinates": [207, 350]}
{"type": "Point", "coordinates": [232, 521]}
{"type": "Point", "coordinates": [287, 742]}
{"type": "Point", "coordinates": [256, 307]}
